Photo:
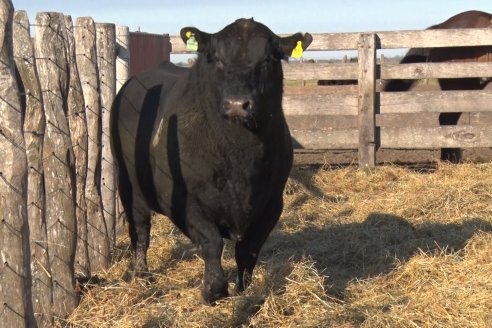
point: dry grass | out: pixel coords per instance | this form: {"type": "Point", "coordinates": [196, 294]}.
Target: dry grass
{"type": "Point", "coordinates": [388, 248]}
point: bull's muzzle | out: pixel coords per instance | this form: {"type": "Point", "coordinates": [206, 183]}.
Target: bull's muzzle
{"type": "Point", "coordinates": [238, 107]}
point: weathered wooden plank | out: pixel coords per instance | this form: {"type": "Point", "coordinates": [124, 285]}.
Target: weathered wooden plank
{"type": "Point", "coordinates": [436, 70]}
{"type": "Point", "coordinates": [367, 100]}
{"type": "Point", "coordinates": [97, 236]}
{"type": "Point", "coordinates": [436, 101]}
{"type": "Point", "coordinates": [334, 41]}
{"type": "Point", "coordinates": [34, 126]}
{"type": "Point", "coordinates": [322, 104]}
{"type": "Point", "coordinates": [349, 71]}
{"type": "Point", "coordinates": [414, 119]}
{"type": "Point", "coordinates": [481, 119]}
{"type": "Point", "coordinates": [14, 300]}
{"type": "Point", "coordinates": [406, 39]}
{"type": "Point", "coordinates": [411, 137]}
{"type": "Point", "coordinates": [321, 41]}
{"type": "Point", "coordinates": [320, 71]}
{"type": "Point", "coordinates": [122, 55]}
{"type": "Point", "coordinates": [437, 137]}
{"type": "Point", "coordinates": [325, 139]}
{"type": "Point", "coordinates": [122, 75]}
{"type": "Point", "coordinates": [322, 122]}
{"type": "Point", "coordinates": [387, 39]}
{"type": "Point", "coordinates": [436, 38]}
{"type": "Point", "coordinates": [78, 133]}
{"type": "Point", "coordinates": [340, 122]}
{"type": "Point", "coordinates": [106, 62]}
{"type": "Point", "coordinates": [349, 156]}
{"type": "Point", "coordinates": [53, 69]}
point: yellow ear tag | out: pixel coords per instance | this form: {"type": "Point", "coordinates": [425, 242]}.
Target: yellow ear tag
{"type": "Point", "coordinates": [191, 43]}
{"type": "Point", "coordinates": [297, 52]}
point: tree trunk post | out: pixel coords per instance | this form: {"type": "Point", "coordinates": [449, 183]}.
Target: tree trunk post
{"type": "Point", "coordinates": [78, 133]}
{"type": "Point", "coordinates": [106, 55]}
{"type": "Point", "coordinates": [34, 127]}
{"type": "Point", "coordinates": [14, 240]}
{"type": "Point", "coordinates": [58, 158]}
{"type": "Point", "coordinates": [97, 234]}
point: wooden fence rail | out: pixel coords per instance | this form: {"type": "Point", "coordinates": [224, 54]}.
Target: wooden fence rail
{"type": "Point", "coordinates": [57, 190]}
{"type": "Point", "coordinates": [367, 119]}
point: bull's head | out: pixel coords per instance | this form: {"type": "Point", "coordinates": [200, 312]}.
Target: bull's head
{"type": "Point", "coordinates": [242, 64]}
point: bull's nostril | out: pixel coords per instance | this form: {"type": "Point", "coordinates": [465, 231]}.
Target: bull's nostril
{"type": "Point", "coordinates": [237, 105]}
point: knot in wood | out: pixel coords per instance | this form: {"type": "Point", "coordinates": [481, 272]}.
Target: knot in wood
{"type": "Point", "coordinates": [418, 71]}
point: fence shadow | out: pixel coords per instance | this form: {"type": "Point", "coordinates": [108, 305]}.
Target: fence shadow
{"type": "Point", "coordinates": [361, 250]}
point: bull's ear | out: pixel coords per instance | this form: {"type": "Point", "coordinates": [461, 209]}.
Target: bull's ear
{"type": "Point", "coordinates": [294, 45]}
{"type": "Point", "coordinates": [195, 39]}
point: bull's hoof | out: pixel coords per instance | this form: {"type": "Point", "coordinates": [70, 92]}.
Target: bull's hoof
{"type": "Point", "coordinates": [243, 281]}
{"type": "Point", "coordinates": [213, 292]}
{"type": "Point", "coordinates": [130, 274]}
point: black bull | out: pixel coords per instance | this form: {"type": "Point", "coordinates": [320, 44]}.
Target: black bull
{"type": "Point", "coordinates": [208, 147]}
{"type": "Point", "coordinates": [467, 19]}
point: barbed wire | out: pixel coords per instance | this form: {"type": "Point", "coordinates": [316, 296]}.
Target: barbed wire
{"type": "Point", "coordinates": [6, 306]}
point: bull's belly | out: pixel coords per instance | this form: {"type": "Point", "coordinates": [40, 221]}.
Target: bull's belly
{"type": "Point", "coordinates": [232, 206]}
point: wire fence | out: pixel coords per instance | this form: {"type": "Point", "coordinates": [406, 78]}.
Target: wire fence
{"type": "Point", "coordinates": [58, 194]}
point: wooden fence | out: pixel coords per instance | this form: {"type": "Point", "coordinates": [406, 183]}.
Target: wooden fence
{"type": "Point", "coordinates": [58, 206]}
{"type": "Point", "coordinates": [366, 119]}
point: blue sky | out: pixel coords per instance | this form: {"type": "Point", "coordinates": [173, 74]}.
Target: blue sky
{"type": "Point", "coordinates": [161, 16]}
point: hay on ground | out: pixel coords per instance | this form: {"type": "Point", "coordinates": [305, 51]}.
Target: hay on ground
{"type": "Point", "coordinates": [392, 247]}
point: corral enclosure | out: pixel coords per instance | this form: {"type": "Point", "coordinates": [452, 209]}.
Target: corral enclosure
{"type": "Point", "coordinates": [364, 118]}
{"type": "Point", "coordinates": [58, 208]}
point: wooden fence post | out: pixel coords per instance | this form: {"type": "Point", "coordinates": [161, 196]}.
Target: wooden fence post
{"type": "Point", "coordinates": [367, 97]}
{"type": "Point", "coordinates": [13, 178]}
{"type": "Point", "coordinates": [123, 55]}
{"type": "Point", "coordinates": [97, 235]}
{"type": "Point", "coordinates": [122, 75]}
{"type": "Point", "coordinates": [106, 60]}
{"type": "Point", "coordinates": [78, 133]}
{"type": "Point", "coordinates": [34, 126]}
{"type": "Point", "coordinates": [59, 178]}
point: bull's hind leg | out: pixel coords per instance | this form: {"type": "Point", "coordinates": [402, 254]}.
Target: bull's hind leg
{"type": "Point", "coordinates": [139, 227]}
{"type": "Point", "coordinates": [248, 249]}
{"type": "Point", "coordinates": [138, 216]}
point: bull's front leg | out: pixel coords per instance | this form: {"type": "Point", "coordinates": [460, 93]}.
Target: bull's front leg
{"type": "Point", "coordinates": [207, 235]}
{"type": "Point", "coordinates": [248, 249]}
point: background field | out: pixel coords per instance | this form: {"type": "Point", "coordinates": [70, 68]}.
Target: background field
{"type": "Point", "coordinates": [391, 247]}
